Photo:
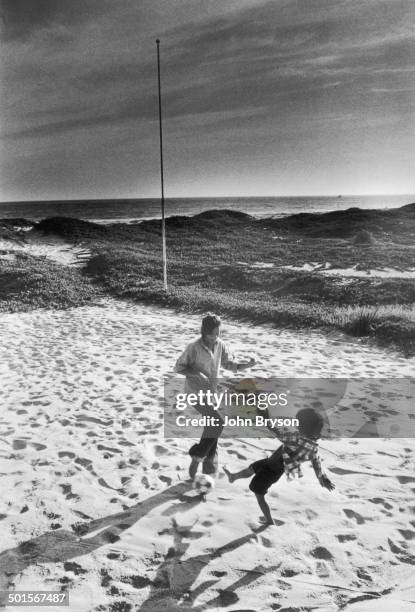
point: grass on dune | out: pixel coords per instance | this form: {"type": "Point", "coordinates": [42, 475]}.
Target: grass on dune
{"type": "Point", "coordinates": [135, 278]}
{"type": "Point", "coordinates": [28, 282]}
{"type": "Point", "coordinates": [212, 265]}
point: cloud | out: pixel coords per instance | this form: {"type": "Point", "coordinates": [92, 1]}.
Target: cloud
{"type": "Point", "coordinates": [244, 66]}
{"type": "Point", "coordinates": [21, 18]}
{"type": "Point", "coordinates": [237, 60]}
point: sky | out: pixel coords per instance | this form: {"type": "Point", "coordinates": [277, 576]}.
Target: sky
{"type": "Point", "coordinates": [259, 97]}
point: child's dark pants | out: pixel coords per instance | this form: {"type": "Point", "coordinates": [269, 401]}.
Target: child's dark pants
{"type": "Point", "coordinates": [267, 472]}
{"type": "Point", "coordinates": [206, 448]}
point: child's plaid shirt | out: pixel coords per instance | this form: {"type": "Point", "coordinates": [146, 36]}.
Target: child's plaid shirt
{"type": "Point", "coordinates": [296, 450]}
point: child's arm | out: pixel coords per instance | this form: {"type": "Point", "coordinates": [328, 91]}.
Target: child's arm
{"type": "Point", "coordinates": [185, 365]}
{"type": "Point", "coordinates": [321, 477]}
{"type": "Point", "coordinates": [229, 363]}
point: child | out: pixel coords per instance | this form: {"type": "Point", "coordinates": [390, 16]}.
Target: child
{"type": "Point", "coordinates": [201, 363]}
{"type": "Point", "coordinates": [297, 446]}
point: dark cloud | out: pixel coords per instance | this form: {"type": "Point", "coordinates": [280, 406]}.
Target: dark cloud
{"type": "Point", "coordinates": [23, 17]}
{"type": "Point", "coordinates": [124, 111]}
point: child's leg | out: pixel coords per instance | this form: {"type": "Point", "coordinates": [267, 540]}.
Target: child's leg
{"type": "Point", "coordinates": [245, 473]}
{"type": "Point", "coordinates": [194, 464]}
{"type": "Point", "coordinates": [265, 508]}
{"type": "Point", "coordinates": [264, 478]}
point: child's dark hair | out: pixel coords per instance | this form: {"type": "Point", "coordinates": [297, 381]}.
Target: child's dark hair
{"type": "Point", "coordinates": [209, 323]}
{"type": "Point", "coordinates": [310, 422]}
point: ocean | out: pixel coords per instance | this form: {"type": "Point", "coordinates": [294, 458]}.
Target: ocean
{"type": "Point", "coordinates": [131, 210]}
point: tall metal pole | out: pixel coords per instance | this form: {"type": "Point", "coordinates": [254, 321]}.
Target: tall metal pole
{"type": "Point", "coordinates": [163, 222]}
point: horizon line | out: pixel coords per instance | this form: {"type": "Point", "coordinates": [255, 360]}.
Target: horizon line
{"type": "Point", "coordinates": [194, 197]}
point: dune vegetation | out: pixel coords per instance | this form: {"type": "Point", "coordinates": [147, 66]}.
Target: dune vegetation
{"type": "Point", "coordinates": [235, 264]}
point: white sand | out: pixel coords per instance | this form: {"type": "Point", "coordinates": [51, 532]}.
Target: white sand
{"type": "Point", "coordinates": [327, 269]}
{"type": "Point", "coordinates": [51, 247]}
{"type": "Point", "coordinates": [81, 440]}
{"type": "Point", "coordinates": [353, 271]}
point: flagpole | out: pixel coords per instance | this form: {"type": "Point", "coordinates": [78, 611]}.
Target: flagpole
{"type": "Point", "coordinates": [163, 222]}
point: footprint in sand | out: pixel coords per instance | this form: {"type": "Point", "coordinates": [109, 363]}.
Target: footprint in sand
{"type": "Point", "coordinates": [110, 537]}
{"type": "Point", "coordinates": [113, 556]}
{"type": "Point", "coordinates": [19, 444]}
{"type": "Point", "coordinates": [165, 479]}
{"type": "Point", "coordinates": [86, 463]}
{"type": "Point", "coordinates": [342, 472]}
{"type": "Point", "coordinates": [239, 455]}
{"type": "Point", "coordinates": [288, 573]}
{"type": "Point", "coordinates": [160, 450]}
{"type": "Point", "coordinates": [123, 442]}
{"type": "Point", "coordinates": [108, 448]}
{"type": "Point", "coordinates": [346, 537]}
{"type": "Point", "coordinates": [102, 482]}
{"type": "Point", "coordinates": [84, 516]}
{"type": "Point", "coordinates": [400, 553]}
{"type": "Point", "coordinates": [71, 566]}
{"type": "Point", "coordinates": [379, 500]}
{"type": "Point", "coordinates": [67, 491]}
{"type": "Point", "coordinates": [405, 479]}
{"type": "Point", "coordinates": [351, 514]}
{"type": "Point", "coordinates": [84, 417]}
{"type": "Point", "coordinates": [407, 534]}
{"type": "Point", "coordinates": [217, 573]}
{"type": "Point", "coordinates": [322, 570]}
{"type": "Point", "coordinates": [363, 575]}
{"type": "Point", "coordinates": [322, 553]}
{"type": "Point", "coordinates": [266, 542]}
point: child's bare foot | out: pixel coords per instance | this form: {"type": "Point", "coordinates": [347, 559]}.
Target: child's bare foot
{"type": "Point", "coordinates": [228, 474]}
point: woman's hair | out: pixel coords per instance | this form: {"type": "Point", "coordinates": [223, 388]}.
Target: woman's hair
{"type": "Point", "coordinates": [209, 323]}
{"type": "Point", "coordinates": [310, 422]}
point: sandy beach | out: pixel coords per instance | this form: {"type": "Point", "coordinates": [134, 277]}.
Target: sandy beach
{"type": "Point", "coordinates": [95, 499]}
{"type": "Point", "coordinates": [174, 173]}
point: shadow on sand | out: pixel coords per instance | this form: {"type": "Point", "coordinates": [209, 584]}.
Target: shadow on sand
{"type": "Point", "coordinates": [171, 588]}
{"type": "Point", "coordinates": [62, 545]}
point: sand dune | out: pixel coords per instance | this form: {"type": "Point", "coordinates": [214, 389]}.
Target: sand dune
{"type": "Point", "coordinates": [51, 247]}
{"type": "Point", "coordinates": [95, 499]}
